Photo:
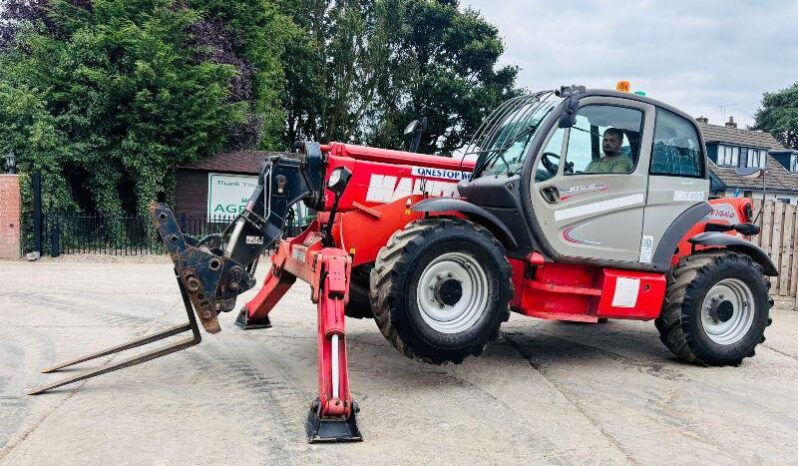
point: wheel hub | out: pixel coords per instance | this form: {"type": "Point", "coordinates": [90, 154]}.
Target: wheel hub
{"type": "Point", "coordinates": [722, 311]}
{"type": "Point", "coordinates": [727, 311]}
{"type": "Point", "coordinates": [448, 291]}
{"type": "Point", "coordinates": [453, 292]}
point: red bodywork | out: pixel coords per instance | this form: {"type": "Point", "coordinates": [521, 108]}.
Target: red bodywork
{"type": "Point", "coordinates": [377, 203]}
{"type": "Point", "coordinates": [726, 211]}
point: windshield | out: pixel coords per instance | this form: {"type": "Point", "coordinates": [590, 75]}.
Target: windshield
{"type": "Point", "coordinates": [501, 142]}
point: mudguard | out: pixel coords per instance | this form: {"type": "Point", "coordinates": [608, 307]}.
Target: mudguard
{"type": "Point", "coordinates": [737, 244]}
{"type": "Point", "coordinates": [483, 217]}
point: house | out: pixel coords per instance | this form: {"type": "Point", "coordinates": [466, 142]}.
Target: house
{"type": "Point", "coordinates": [222, 180]}
{"type": "Point", "coordinates": [729, 147]}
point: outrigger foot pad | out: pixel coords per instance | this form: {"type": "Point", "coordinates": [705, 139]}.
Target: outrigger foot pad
{"type": "Point", "coordinates": [331, 430]}
{"type": "Point", "coordinates": [243, 321]}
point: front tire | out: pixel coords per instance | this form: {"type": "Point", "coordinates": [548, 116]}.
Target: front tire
{"type": "Point", "coordinates": [440, 290]}
{"type": "Point", "coordinates": [716, 308]}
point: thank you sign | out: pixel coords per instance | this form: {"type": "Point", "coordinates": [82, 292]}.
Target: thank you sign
{"type": "Point", "coordinates": [228, 195]}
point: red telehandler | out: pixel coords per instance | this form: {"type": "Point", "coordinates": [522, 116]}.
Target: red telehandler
{"type": "Point", "coordinates": [580, 205]}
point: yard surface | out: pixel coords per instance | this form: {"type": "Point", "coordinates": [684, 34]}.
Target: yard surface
{"type": "Point", "coordinates": [545, 393]}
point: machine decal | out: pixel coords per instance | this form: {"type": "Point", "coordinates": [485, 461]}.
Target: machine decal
{"type": "Point", "coordinates": [626, 290]}
{"type": "Point", "coordinates": [429, 172]}
{"type": "Point", "coordinates": [385, 188]}
{"type": "Point", "coordinates": [599, 207]}
{"type": "Point", "coordinates": [581, 189]}
{"type": "Point", "coordinates": [646, 249]}
{"type": "Point", "coordinates": [725, 212]}
{"type": "Point", "coordinates": [568, 235]}
{"type": "Point", "coordinates": [690, 196]}
{"type": "Point", "coordinates": [254, 239]}
{"type": "Point", "coordinates": [299, 253]}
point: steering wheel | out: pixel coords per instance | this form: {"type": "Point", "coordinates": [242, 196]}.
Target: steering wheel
{"type": "Point", "coordinates": [548, 164]}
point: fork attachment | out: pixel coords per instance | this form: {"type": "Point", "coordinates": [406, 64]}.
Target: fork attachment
{"type": "Point", "coordinates": [184, 343]}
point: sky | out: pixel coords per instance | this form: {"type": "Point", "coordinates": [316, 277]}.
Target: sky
{"type": "Point", "coordinates": [709, 58]}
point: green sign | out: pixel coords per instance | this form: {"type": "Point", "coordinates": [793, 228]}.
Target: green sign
{"type": "Point", "coordinates": [228, 195]}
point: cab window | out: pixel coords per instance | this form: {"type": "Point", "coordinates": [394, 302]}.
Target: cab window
{"type": "Point", "coordinates": [676, 150]}
{"type": "Point", "coordinates": [604, 140]}
{"type": "Point", "coordinates": [549, 162]}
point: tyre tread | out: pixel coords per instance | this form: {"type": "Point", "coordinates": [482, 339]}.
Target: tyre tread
{"type": "Point", "coordinates": [391, 263]}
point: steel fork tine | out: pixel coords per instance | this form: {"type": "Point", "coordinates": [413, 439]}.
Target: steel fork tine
{"type": "Point", "coordinates": [132, 361]}
{"type": "Point", "coordinates": [191, 325]}
{"type": "Point", "coordinates": [124, 346]}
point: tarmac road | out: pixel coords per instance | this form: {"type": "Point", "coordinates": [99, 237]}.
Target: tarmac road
{"type": "Point", "coordinates": [546, 393]}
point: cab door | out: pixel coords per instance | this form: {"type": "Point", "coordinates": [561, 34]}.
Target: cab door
{"type": "Point", "coordinates": [588, 209]}
{"type": "Point", "coordinates": [678, 184]}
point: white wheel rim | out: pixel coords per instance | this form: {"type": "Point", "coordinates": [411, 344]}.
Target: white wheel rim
{"type": "Point", "coordinates": [727, 312]}
{"type": "Point", "coordinates": [473, 281]}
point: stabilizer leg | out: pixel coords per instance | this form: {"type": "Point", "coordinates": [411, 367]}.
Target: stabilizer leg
{"type": "Point", "coordinates": [332, 416]}
{"type": "Point", "coordinates": [184, 343]}
{"type": "Point", "coordinates": [255, 314]}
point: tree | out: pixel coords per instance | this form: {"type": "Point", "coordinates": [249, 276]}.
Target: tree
{"type": "Point", "coordinates": [779, 115]}
{"type": "Point", "coordinates": [363, 69]}
{"type": "Point", "coordinates": [122, 91]}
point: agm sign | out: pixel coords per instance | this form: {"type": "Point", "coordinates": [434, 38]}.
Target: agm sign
{"type": "Point", "coordinates": [228, 194]}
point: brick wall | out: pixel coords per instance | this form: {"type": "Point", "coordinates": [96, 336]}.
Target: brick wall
{"type": "Point", "coordinates": [191, 195]}
{"type": "Point", "coordinates": [10, 204]}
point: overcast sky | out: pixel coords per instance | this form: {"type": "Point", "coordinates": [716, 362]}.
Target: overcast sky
{"type": "Point", "coordinates": [696, 55]}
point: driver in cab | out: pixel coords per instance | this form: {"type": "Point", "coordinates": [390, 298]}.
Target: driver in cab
{"type": "Point", "coordinates": [613, 161]}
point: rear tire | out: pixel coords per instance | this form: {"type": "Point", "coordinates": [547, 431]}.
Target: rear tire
{"type": "Point", "coordinates": [716, 308]}
{"type": "Point", "coordinates": [359, 305]}
{"type": "Point", "coordinates": [440, 290]}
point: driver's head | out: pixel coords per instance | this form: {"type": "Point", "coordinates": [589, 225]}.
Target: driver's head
{"type": "Point", "coordinates": [613, 138]}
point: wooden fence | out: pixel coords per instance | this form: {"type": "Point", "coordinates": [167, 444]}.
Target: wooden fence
{"type": "Point", "coordinates": [778, 238]}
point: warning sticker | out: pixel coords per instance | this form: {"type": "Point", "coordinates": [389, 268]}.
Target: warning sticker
{"type": "Point", "coordinates": [626, 290]}
{"type": "Point", "coordinates": [646, 249]}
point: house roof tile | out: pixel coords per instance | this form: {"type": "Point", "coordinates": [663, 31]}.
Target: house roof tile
{"type": "Point", "coordinates": [777, 177]}
{"type": "Point", "coordinates": [738, 137]}
{"type": "Point", "coordinates": [248, 162]}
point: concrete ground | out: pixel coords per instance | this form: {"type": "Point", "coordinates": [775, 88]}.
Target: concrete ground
{"type": "Point", "coordinates": [547, 392]}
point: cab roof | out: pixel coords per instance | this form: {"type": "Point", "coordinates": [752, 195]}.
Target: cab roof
{"type": "Point", "coordinates": [635, 97]}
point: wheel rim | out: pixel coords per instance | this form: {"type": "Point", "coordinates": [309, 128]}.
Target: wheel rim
{"type": "Point", "coordinates": [453, 292]}
{"type": "Point", "coordinates": [727, 312]}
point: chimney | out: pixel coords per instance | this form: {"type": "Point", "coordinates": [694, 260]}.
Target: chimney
{"type": "Point", "coordinates": [731, 123]}
{"type": "Point", "coordinates": [702, 119]}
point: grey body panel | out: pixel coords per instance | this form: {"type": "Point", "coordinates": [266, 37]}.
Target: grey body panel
{"type": "Point", "coordinates": [472, 211]}
{"type": "Point", "coordinates": [603, 218]}
{"type": "Point", "coordinates": [737, 244]}
{"type": "Point", "coordinates": [669, 197]}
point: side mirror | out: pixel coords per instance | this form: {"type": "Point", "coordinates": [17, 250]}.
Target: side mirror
{"type": "Point", "coordinates": [749, 173]}
{"type": "Point", "coordinates": [412, 127]}
{"type": "Point", "coordinates": [753, 173]}
{"type": "Point", "coordinates": [568, 118]}
{"type": "Point", "coordinates": [413, 133]}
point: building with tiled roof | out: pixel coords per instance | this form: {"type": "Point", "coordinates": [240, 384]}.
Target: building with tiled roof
{"type": "Point", "coordinates": [212, 189]}
{"type": "Point", "coordinates": [729, 147]}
